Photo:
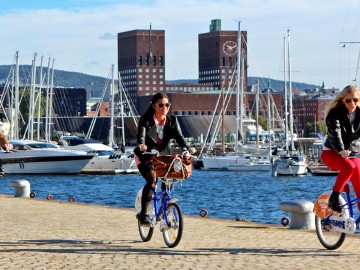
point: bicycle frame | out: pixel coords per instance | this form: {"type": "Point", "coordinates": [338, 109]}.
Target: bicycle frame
{"type": "Point", "coordinates": [161, 199]}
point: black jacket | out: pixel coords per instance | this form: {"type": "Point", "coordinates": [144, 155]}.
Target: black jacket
{"type": "Point", "coordinates": [147, 134]}
{"type": "Point", "coordinates": [339, 129]}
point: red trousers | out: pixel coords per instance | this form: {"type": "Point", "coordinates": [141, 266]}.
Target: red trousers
{"type": "Point", "coordinates": [349, 169]}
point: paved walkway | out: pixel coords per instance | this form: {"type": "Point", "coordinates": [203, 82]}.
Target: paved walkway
{"type": "Point", "coordinates": [40, 234]}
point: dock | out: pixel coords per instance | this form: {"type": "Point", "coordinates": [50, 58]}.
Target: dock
{"type": "Point", "coordinates": [41, 234]}
{"type": "Point", "coordinates": [321, 170]}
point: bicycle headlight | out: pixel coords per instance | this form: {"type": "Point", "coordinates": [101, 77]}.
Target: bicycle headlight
{"type": "Point", "coordinates": [177, 165]}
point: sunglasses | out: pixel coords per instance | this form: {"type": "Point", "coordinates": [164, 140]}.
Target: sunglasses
{"type": "Point", "coordinates": [167, 105]}
{"type": "Point", "coordinates": [348, 100]}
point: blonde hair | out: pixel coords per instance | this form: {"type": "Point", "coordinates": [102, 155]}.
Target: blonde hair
{"type": "Point", "coordinates": [338, 101]}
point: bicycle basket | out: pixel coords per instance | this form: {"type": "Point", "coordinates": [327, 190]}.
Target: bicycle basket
{"type": "Point", "coordinates": [173, 166]}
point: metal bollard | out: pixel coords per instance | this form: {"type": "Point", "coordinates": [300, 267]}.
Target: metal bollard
{"type": "Point", "coordinates": [22, 188]}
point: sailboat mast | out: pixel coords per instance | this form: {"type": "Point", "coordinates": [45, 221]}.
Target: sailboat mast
{"type": "Point", "coordinates": [291, 116]}
{"type": "Point", "coordinates": [51, 99]}
{"type": "Point", "coordinates": [222, 121]}
{"type": "Point", "coordinates": [285, 100]}
{"type": "Point", "coordinates": [269, 117]}
{"type": "Point", "coordinates": [237, 88]}
{"type": "Point", "coordinates": [47, 137]}
{"type": "Point", "coordinates": [111, 131]}
{"type": "Point", "coordinates": [257, 113]}
{"type": "Point", "coordinates": [39, 100]}
{"type": "Point", "coordinates": [17, 97]}
{"type": "Point", "coordinates": [121, 90]}
{"type": "Point", "coordinates": [30, 134]}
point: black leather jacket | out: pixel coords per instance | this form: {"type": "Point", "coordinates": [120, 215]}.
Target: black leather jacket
{"type": "Point", "coordinates": [339, 129]}
{"type": "Point", "coordinates": [147, 134]}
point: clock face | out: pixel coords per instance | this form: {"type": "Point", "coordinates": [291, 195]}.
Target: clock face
{"type": "Point", "coordinates": [230, 47]}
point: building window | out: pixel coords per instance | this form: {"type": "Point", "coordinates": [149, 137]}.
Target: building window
{"type": "Point", "coordinates": [154, 60]}
{"type": "Point", "coordinates": [140, 60]}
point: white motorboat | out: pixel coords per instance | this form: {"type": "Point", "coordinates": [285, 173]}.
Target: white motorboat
{"type": "Point", "coordinates": [260, 163]}
{"type": "Point", "coordinates": [237, 162]}
{"type": "Point", "coordinates": [105, 159]}
{"type": "Point", "coordinates": [34, 157]}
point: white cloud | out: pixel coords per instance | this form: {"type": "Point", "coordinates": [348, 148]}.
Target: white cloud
{"type": "Point", "coordinates": [79, 36]}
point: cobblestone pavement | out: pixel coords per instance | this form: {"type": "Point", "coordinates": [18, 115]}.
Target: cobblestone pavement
{"type": "Point", "coordinates": [39, 234]}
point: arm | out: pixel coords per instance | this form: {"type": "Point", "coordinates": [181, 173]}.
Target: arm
{"type": "Point", "coordinates": [4, 142]}
{"type": "Point", "coordinates": [141, 135]}
{"type": "Point", "coordinates": [334, 132]}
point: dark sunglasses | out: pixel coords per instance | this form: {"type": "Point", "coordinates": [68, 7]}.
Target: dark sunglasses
{"type": "Point", "coordinates": [348, 100]}
{"type": "Point", "coordinates": [167, 105]}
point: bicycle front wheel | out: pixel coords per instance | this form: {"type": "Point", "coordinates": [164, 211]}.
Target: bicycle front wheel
{"type": "Point", "coordinates": [146, 231]}
{"type": "Point", "coordinates": [172, 233]}
{"type": "Point", "coordinates": [327, 236]}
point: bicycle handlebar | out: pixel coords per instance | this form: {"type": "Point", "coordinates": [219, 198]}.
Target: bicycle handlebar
{"type": "Point", "coordinates": [157, 153]}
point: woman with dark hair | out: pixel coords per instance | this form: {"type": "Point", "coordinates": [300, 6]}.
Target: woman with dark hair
{"type": "Point", "coordinates": [155, 130]}
{"type": "Point", "coordinates": [342, 118]}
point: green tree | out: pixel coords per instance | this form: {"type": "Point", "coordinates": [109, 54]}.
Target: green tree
{"type": "Point", "coordinates": [310, 130]}
{"type": "Point", "coordinates": [24, 108]}
{"type": "Point", "coordinates": [263, 122]}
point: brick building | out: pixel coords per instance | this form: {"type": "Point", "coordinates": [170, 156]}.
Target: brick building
{"type": "Point", "coordinates": [218, 51]}
{"type": "Point", "coordinates": [141, 62]}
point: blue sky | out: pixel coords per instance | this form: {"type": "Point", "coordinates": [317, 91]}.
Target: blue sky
{"type": "Point", "coordinates": [81, 34]}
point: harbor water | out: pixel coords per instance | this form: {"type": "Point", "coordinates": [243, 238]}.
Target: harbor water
{"type": "Point", "coordinates": [252, 196]}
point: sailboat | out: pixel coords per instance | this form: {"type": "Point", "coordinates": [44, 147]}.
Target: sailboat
{"type": "Point", "coordinates": [243, 157]}
{"type": "Point", "coordinates": [255, 162]}
{"type": "Point", "coordinates": [290, 161]}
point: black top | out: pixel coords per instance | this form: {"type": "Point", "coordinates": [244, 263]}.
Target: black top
{"type": "Point", "coordinates": [147, 134]}
{"type": "Point", "coordinates": [339, 129]}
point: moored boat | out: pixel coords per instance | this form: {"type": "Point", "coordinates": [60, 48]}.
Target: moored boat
{"type": "Point", "coordinates": [34, 157]}
{"type": "Point", "coordinates": [105, 159]}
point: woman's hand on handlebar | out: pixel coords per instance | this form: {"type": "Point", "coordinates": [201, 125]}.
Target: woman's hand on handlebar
{"type": "Point", "coordinates": [345, 153]}
{"type": "Point", "coordinates": [142, 147]}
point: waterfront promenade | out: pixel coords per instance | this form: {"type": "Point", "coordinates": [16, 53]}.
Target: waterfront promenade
{"type": "Point", "coordinates": [41, 234]}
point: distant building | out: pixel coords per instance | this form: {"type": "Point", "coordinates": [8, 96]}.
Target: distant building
{"type": "Point", "coordinates": [141, 62]}
{"type": "Point", "coordinates": [69, 101]}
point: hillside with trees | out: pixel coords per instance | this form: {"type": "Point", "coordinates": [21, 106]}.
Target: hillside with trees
{"type": "Point", "coordinates": [95, 84]}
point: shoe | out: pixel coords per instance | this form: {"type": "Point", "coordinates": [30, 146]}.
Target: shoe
{"type": "Point", "coordinates": [334, 203]}
{"type": "Point", "coordinates": [143, 218]}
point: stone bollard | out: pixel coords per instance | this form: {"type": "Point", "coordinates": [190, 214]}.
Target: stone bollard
{"type": "Point", "coordinates": [302, 216]}
{"type": "Point", "coordinates": [22, 188]}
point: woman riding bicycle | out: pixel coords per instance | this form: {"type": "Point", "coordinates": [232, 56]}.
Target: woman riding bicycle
{"type": "Point", "coordinates": [155, 130]}
{"type": "Point", "coordinates": [342, 118]}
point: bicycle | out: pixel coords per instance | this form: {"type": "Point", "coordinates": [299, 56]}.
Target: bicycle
{"type": "Point", "coordinates": [332, 227]}
{"type": "Point", "coordinates": [163, 208]}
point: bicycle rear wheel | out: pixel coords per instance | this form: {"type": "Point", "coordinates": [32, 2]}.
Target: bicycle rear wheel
{"type": "Point", "coordinates": [146, 231]}
{"type": "Point", "coordinates": [327, 237]}
{"type": "Point", "coordinates": [172, 233]}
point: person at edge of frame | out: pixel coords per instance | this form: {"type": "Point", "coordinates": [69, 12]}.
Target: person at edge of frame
{"type": "Point", "coordinates": [342, 117]}
{"type": "Point", "coordinates": [6, 146]}
{"type": "Point", "coordinates": [155, 130]}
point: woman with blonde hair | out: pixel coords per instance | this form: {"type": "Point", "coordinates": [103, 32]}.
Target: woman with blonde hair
{"type": "Point", "coordinates": [342, 119]}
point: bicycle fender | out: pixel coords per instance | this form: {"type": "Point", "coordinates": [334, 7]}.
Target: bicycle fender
{"type": "Point", "coordinates": [173, 200]}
